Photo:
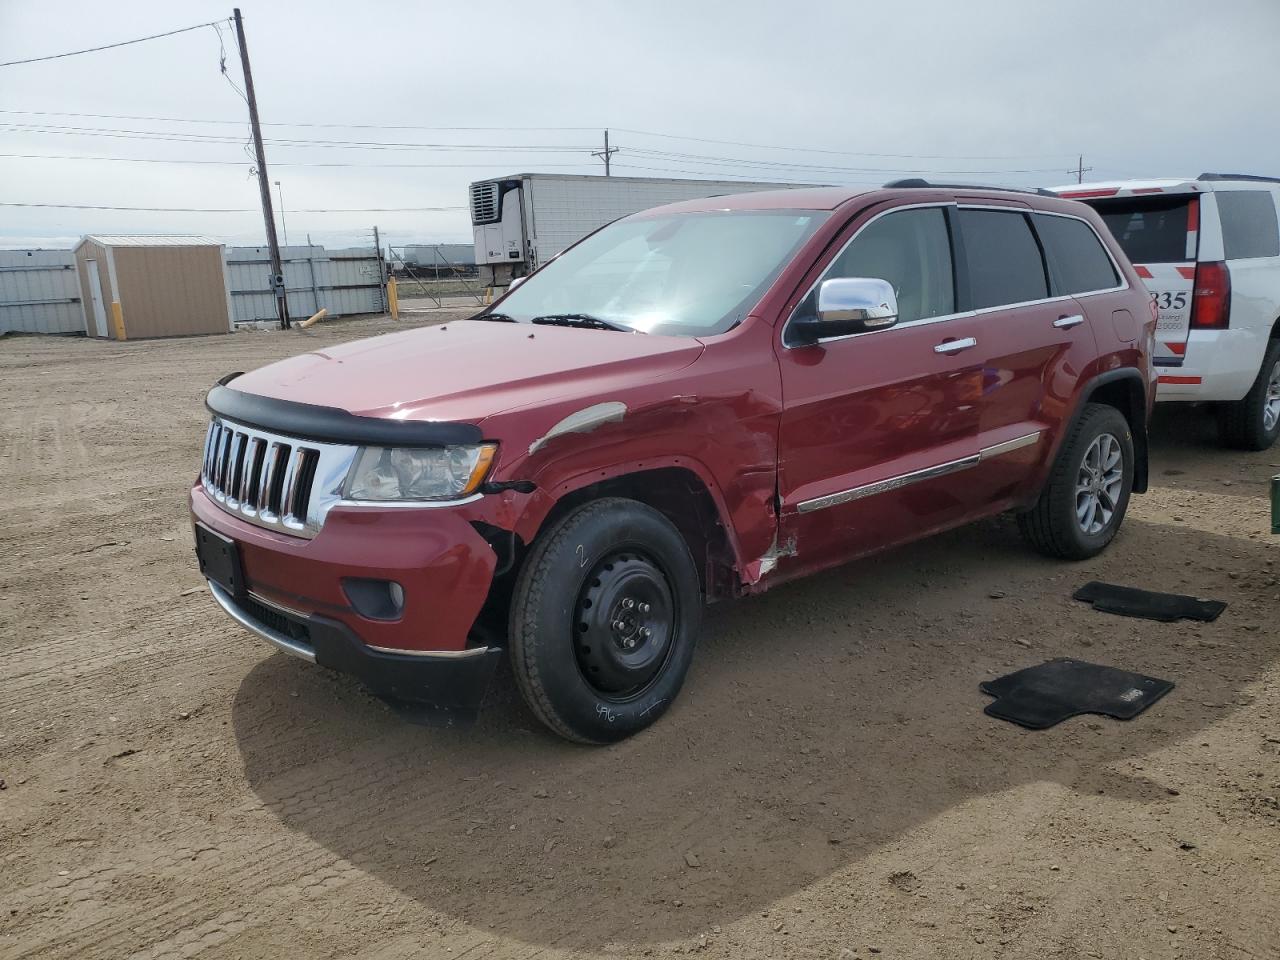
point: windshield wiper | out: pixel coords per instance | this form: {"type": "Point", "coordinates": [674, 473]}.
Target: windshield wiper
{"type": "Point", "coordinates": [497, 317]}
{"type": "Point", "coordinates": [584, 320]}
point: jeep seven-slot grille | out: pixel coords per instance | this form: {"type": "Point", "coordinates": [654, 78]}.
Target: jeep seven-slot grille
{"type": "Point", "coordinates": [259, 477]}
{"type": "Point", "coordinates": [484, 203]}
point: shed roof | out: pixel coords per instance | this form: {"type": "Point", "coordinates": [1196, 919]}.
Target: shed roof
{"type": "Point", "coordinates": [153, 240]}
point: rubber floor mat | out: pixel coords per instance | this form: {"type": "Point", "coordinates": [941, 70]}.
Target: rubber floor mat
{"type": "Point", "coordinates": [1132, 602]}
{"type": "Point", "coordinates": [1039, 697]}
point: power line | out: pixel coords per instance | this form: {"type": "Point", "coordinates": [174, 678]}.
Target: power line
{"type": "Point", "coordinates": [248, 162]}
{"type": "Point", "coordinates": [283, 123]}
{"type": "Point", "coordinates": [160, 135]}
{"type": "Point", "coordinates": [109, 46]}
{"type": "Point", "coordinates": [634, 132]}
{"type": "Point", "coordinates": [847, 153]}
{"type": "Point", "coordinates": [76, 206]}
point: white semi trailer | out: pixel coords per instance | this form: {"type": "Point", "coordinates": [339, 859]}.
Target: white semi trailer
{"type": "Point", "coordinates": [524, 220]}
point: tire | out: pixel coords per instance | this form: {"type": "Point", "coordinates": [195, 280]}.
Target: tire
{"type": "Point", "coordinates": [1254, 422]}
{"type": "Point", "coordinates": [590, 587]}
{"type": "Point", "coordinates": [1055, 525]}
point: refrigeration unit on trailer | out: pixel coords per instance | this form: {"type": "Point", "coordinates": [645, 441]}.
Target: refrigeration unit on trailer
{"type": "Point", "coordinates": [522, 221]}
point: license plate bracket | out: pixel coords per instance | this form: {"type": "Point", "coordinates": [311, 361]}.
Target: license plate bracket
{"type": "Point", "coordinates": [219, 559]}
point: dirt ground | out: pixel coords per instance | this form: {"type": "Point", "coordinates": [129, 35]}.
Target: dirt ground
{"type": "Point", "coordinates": [826, 786]}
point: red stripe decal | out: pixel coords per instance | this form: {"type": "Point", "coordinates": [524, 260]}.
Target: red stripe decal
{"type": "Point", "coordinates": [1186, 380]}
{"type": "Point", "coordinates": [1179, 348]}
{"type": "Point", "coordinates": [1188, 273]}
{"type": "Point", "coordinates": [1143, 272]}
{"type": "Point", "coordinates": [1077, 194]}
{"type": "Point", "coordinates": [1193, 215]}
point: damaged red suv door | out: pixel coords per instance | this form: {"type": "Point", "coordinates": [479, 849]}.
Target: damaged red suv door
{"type": "Point", "coordinates": [696, 402]}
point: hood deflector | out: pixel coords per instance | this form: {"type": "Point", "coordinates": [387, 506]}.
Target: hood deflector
{"type": "Point", "coordinates": [330, 425]}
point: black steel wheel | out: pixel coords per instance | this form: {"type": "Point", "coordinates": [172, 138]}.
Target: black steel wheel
{"type": "Point", "coordinates": [604, 620]}
{"type": "Point", "coordinates": [626, 617]}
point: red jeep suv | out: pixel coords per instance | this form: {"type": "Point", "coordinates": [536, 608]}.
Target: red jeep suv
{"type": "Point", "coordinates": [696, 402]}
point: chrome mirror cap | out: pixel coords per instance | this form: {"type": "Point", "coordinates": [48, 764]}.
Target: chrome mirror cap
{"type": "Point", "coordinates": [866, 301]}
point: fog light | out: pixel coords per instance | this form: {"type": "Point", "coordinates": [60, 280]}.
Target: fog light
{"type": "Point", "coordinates": [375, 599]}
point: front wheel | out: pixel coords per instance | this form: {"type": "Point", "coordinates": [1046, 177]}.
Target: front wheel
{"type": "Point", "coordinates": [1084, 501]}
{"type": "Point", "coordinates": [1254, 422]}
{"type": "Point", "coordinates": [604, 621]}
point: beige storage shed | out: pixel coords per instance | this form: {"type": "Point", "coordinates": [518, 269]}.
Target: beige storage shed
{"type": "Point", "coordinates": [153, 286]}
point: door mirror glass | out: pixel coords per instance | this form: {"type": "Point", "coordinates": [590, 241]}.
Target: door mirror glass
{"type": "Point", "coordinates": [848, 305]}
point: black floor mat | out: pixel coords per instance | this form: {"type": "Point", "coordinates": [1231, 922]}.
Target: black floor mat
{"type": "Point", "coordinates": [1132, 602]}
{"type": "Point", "coordinates": [1038, 697]}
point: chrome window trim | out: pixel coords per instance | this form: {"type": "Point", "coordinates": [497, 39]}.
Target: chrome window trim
{"type": "Point", "coordinates": [916, 476]}
{"type": "Point", "coordinates": [964, 314]}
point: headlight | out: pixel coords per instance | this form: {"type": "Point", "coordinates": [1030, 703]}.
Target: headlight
{"type": "Point", "coordinates": [434, 473]}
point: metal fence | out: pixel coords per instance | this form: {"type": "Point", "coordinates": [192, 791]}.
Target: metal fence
{"type": "Point", "coordinates": [343, 281]}
{"type": "Point", "coordinates": [40, 289]}
{"type": "Point", "coordinates": [40, 292]}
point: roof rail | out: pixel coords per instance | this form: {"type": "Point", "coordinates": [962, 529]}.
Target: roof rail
{"type": "Point", "coordinates": [916, 183]}
{"type": "Point", "coordinates": [1237, 176]}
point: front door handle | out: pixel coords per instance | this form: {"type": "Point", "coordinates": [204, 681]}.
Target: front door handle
{"type": "Point", "coordinates": [955, 346]}
{"type": "Point", "coordinates": [1066, 323]}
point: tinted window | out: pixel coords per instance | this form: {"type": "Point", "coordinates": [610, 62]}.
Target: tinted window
{"type": "Point", "coordinates": [1248, 224]}
{"type": "Point", "coordinates": [1005, 265]}
{"type": "Point", "coordinates": [1149, 229]}
{"type": "Point", "coordinates": [912, 251]}
{"type": "Point", "coordinates": [1078, 263]}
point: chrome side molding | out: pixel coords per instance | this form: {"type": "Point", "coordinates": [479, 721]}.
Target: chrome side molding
{"type": "Point", "coordinates": [916, 476]}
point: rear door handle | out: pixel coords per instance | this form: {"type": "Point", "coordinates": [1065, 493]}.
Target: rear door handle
{"type": "Point", "coordinates": [1066, 323]}
{"type": "Point", "coordinates": [955, 346]}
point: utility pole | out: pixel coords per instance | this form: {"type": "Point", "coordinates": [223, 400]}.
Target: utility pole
{"type": "Point", "coordinates": [1080, 169]}
{"type": "Point", "coordinates": [264, 185]}
{"type": "Point", "coordinates": [606, 153]}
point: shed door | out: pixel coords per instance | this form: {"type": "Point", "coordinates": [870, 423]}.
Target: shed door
{"type": "Point", "coordinates": [95, 294]}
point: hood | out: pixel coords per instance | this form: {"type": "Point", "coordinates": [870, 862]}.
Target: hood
{"type": "Point", "coordinates": [468, 370]}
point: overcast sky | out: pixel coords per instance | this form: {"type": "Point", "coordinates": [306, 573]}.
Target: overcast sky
{"type": "Point", "coordinates": [997, 91]}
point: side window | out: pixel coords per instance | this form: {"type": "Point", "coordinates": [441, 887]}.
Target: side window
{"type": "Point", "coordinates": [1248, 223]}
{"type": "Point", "coordinates": [1005, 265]}
{"type": "Point", "coordinates": [1078, 263]}
{"type": "Point", "coordinates": [910, 249]}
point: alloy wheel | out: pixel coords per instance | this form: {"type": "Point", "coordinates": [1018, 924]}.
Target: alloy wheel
{"type": "Point", "coordinates": [1098, 484]}
{"type": "Point", "coordinates": [1271, 405]}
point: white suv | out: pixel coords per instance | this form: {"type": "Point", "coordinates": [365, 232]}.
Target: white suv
{"type": "Point", "coordinates": [1209, 252]}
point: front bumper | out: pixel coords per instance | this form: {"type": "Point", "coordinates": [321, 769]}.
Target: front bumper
{"type": "Point", "coordinates": [456, 680]}
{"type": "Point", "coordinates": [294, 596]}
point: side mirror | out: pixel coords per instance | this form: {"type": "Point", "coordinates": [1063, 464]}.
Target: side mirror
{"type": "Point", "coordinates": [515, 282]}
{"type": "Point", "coordinates": [848, 305]}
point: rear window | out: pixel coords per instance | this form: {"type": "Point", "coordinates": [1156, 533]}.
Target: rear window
{"type": "Point", "coordinates": [1149, 229]}
{"type": "Point", "coordinates": [1248, 224]}
{"type": "Point", "coordinates": [1078, 263]}
{"type": "Point", "coordinates": [1004, 259]}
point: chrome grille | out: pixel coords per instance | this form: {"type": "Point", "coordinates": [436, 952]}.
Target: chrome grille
{"type": "Point", "coordinates": [484, 203]}
{"type": "Point", "coordinates": [271, 480]}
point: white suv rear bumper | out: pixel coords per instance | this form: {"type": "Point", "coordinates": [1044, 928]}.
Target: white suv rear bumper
{"type": "Point", "coordinates": [1219, 365]}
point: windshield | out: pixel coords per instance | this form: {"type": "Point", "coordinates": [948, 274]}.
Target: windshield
{"type": "Point", "coordinates": [687, 274]}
